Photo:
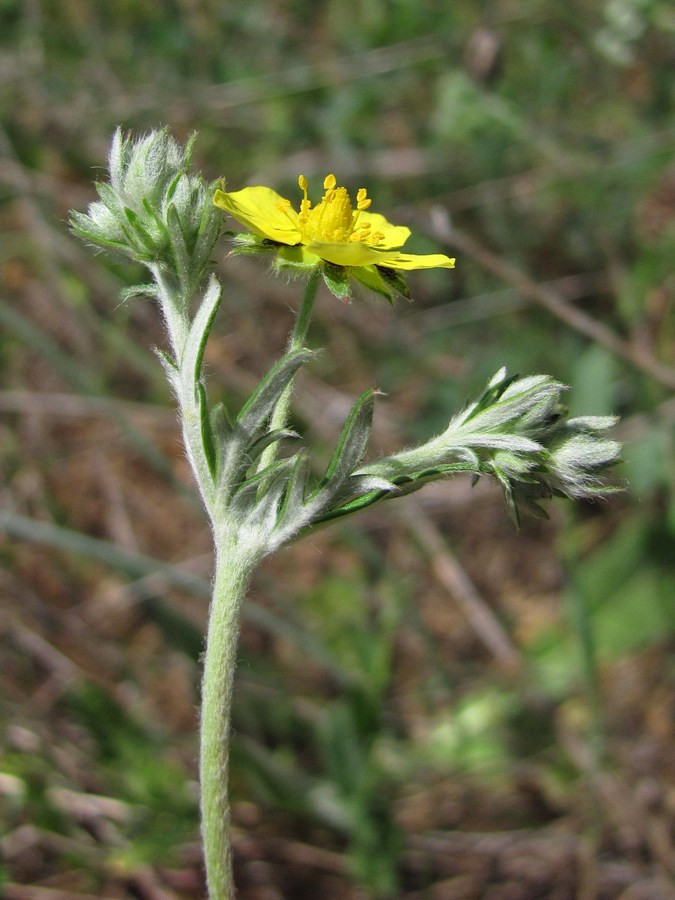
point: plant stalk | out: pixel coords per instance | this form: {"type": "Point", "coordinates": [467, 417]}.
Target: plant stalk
{"type": "Point", "coordinates": [232, 575]}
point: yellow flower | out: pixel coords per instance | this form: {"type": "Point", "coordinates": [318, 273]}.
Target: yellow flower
{"type": "Point", "coordinates": [333, 232]}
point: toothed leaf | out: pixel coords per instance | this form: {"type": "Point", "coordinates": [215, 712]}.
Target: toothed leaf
{"type": "Point", "coordinates": [352, 442]}
{"type": "Point", "coordinates": [259, 405]}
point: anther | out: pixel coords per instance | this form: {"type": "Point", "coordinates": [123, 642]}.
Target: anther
{"type": "Point", "coordinates": [329, 182]}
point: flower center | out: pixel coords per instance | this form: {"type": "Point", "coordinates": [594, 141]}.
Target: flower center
{"type": "Point", "coordinates": [334, 220]}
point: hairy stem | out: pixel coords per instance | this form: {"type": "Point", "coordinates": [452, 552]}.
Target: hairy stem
{"type": "Point", "coordinates": [173, 305]}
{"type": "Point", "coordinates": [231, 580]}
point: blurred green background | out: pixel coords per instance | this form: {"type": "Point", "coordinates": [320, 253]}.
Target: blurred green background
{"type": "Point", "coordinates": [429, 704]}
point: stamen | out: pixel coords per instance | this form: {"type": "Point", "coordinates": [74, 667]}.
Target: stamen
{"type": "Point", "coordinates": [334, 219]}
{"type": "Point", "coordinates": [305, 203]}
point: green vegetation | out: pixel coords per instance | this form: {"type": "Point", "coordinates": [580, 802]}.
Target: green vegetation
{"type": "Point", "coordinates": [422, 688]}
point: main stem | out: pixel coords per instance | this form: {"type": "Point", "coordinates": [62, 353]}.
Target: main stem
{"type": "Point", "coordinates": [231, 580]}
{"type": "Point", "coordinates": [234, 566]}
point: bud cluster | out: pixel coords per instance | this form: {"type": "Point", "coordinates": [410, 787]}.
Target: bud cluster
{"type": "Point", "coordinates": [517, 432]}
{"type": "Point", "coordinates": [154, 209]}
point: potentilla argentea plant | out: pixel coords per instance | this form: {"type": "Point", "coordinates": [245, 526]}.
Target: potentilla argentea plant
{"type": "Point", "coordinates": [155, 210]}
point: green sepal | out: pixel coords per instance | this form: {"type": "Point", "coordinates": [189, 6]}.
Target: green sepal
{"type": "Point", "coordinates": [109, 197]}
{"type": "Point", "coordinates": [294, 260]}
{"type": "Point", "coordinates": [173, 184]}
{"type": "Point", "coordinates": [210, 225]}
{"type": "Point", "coordinates": [371, 277]}
{"type": "Point", "coordinates": [337, 281]}
{"type": "Point", "coordinates": [141, 232]}
{"type": "Point", "coordinates": [77, 224]}
{"type": "Point", "coordinates": [154, 216]}
{"type": "Point", "coordinates": [395, 281]}
{"type": "Point", "coordinates": [179, 248]}
{"type": "Point", "coordinates": [492, 393]}
{"type": "Point", "coordinates": [511, 505]}
{"type": "Point", "coordinates": [245, 244]}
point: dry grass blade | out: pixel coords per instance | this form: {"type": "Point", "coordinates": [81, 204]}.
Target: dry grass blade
{"type": "Point", "coordinates": [549, 299]}
{"type": "Point", "coordinates": [454, 578]}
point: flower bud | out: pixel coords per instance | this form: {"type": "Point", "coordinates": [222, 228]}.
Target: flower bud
{"type": "Point", "coordinates": [153, 209]}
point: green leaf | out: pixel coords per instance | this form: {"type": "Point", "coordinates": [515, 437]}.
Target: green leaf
{"type": "Point", "coordinates": [221, 424]}
{"type": "Point", "coordinates": [352, 443]}
{"type": "Point", "coordinates": [170, 367]}
{"type": "Point", "coordinates": [200, 329]}
{"type": "Point", "coordinates": [295, 489]}
{"type": "Point", "coordinates": [208, 443]}
{"type": "Point", "coordinates": [268, 475]}
{"type": "Point", "coordinates": [258, 407]}
{"type": "Point", "coordinates": [255, 449]}
{"type": "Point", "coordinates": [138, 290]}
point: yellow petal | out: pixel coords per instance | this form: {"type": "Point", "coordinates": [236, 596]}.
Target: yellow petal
{"type": "Point", "coordinates": [394, 235]}
{"type": "Point", "coordinates": [262, 211]}
{"type": "Point", "coordinates": [349, 253]}
{"type": "Point", "coordinates": [408, 261]}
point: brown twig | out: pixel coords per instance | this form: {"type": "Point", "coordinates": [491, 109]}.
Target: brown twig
{"type": "Point", "coordinates": [549, 299]}
{"type": "Point", "coordinates": [456, 581]}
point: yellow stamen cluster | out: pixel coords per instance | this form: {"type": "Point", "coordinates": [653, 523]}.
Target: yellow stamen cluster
{"type": "Point", "coordinates": [334, 219]}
